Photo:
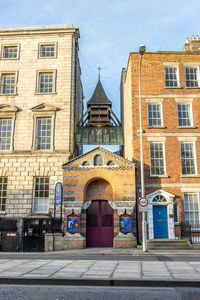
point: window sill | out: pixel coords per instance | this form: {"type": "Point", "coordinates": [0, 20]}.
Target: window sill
{"type": "Point", "coordinates": [11, 95]}
{"type": "Point", "coordinates": [47, 57]}
{"type": "Point", "coordinates": [186, 127]}
{"type": "Point", "coordinates": [173, 87]}
{"type": "Point", "coordinates": [192, 87]}
{"type": "Point", "coordinates": [159, 176]}
{"type": "Point", "coordinates": [156, 127]}
{"type": "Point", "coordinates": [10, 58]}
{"type": "Point", "coordinates": [190, 176]}
{"type": "Point", "coordinates": [2, 212]}
{"type": "Point", "coordinates": [53, 93]}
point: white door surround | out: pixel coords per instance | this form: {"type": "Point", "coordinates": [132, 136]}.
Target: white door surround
{"type": "Point", "coordinates": [169, 202]}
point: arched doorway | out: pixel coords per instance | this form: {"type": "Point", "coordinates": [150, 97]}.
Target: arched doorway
{"type": "Point", "coordinates": [99, 229]}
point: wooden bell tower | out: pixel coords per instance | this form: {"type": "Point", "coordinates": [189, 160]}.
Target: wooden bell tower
{"type": "Point", "coordinates": [99, 125]}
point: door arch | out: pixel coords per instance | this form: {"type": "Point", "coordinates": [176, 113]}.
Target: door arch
{"type": "Point", "coordinates": [99, 216]}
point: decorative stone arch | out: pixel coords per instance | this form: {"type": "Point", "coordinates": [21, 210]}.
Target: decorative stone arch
{"type": "Point", "coordinates": [98, 189]}
{"type": "Point", "coordinates": [161, 197]}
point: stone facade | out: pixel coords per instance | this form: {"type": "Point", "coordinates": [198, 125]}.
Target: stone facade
{"type": "Point", "coordinates": [62, 104]}
{"type": "Point", "coordinates": [156, 89]}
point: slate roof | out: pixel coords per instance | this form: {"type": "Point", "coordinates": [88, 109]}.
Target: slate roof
{"type": "Point", "coordinates": [99, 95]}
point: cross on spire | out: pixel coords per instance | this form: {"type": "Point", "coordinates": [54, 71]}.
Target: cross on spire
{"type": "Point", "coordinates": [99, 69]}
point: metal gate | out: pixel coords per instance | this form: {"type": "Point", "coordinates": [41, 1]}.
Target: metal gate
{"type": "Point", "coordinates": [34, 230]}
{"type": "Point", "coordinates": [33, 233]}
{"type": "Point", "coordinates": [9, 237]}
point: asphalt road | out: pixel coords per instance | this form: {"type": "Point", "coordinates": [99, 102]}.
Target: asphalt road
{"type": "Point", "coordinates": [10, 292]}
{"type": "Point", "coordinates": [61, 256]}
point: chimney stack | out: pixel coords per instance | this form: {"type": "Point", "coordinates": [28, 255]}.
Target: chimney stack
{"type": "Point", "coordinates": [192, 45]}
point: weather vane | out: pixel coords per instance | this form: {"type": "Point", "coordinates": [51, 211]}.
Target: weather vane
{"type": "Point", "coordinates": [99, 69]}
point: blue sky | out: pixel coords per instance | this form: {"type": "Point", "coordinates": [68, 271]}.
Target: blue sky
{"type": "Point", "coordinates": [110, 30]}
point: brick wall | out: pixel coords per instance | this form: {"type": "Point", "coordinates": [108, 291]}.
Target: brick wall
{"type": "Point", "coordinates": [153, 90]}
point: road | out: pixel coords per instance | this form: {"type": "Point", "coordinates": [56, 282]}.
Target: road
{"type": "Point", "coordinates": [10, 292]}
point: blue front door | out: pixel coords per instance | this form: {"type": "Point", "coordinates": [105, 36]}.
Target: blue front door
{"type": "Point", "coordinates": [160, 223]}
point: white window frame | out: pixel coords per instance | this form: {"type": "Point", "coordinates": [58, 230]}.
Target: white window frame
{"type": "Point", "coordinates": [195, 161]}
{"type": "Point", "coordinates": [193, 211]}
{"type": "Point", "coordinates": [53, 72]}
{"type": "Point", "coordinates": [7, 46]}
{"type": "Point", "coordinates": [191, 114]}
{"type": "Point", "coordinates": [11, 134]}
{"type": "Point", "coordinates": [36, 136]}
{"type": "Point", "coordinates": [15, 84]}
{"type": "Point", "coordinates": [163, 148]}
{"type": "Point", "coordinates": [34, 197]}
{"type": "Point", "coordinates": [3, 211]}
{"type": "Point", "coordinates": [198, 76]}
{"type": "Point", "coordinates": [172, 65]}
{"type": "Point", "coordinates": [161, 113]}
{"type": "Point", "coordinates": [40, 45]}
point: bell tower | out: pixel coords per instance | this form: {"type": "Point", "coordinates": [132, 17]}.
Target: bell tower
{"type": "Point", "coordinates": [99, 125]}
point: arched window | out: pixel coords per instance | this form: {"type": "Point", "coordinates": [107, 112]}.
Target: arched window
{"type": "Point", "coordinates": [159, 198]}
{"type": "Point", "coordinates": [110, 163]}
{"type": "Point", "coordinates": [85, 163]}
{"type": "Point", "coordinates": [98, 161]}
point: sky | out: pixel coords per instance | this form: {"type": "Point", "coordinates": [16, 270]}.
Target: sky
{"type": "Point", "coordinates": [110, 30]}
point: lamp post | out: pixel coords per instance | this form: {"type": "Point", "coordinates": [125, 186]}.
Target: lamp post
{"type": "Point", "coordinates": [142, 50]}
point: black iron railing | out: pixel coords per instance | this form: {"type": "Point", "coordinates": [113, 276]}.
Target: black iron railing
{"type": "Point", "coordinates": [190, 232]}
{"type": "Point", "coordinates": [8, 225]}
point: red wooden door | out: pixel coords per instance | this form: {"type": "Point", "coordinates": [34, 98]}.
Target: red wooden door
{"type": "Point", "coordinates": [99, 224]}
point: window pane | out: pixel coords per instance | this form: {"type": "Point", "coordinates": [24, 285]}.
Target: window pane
{"type": "Point", "coordinates": [5, 134]}
{"type": "Point", "coordinates": [46, 82]}
{"type": "Point", "coordinates": [98, 161]}
{"type": "Point", "coordinates": [41, 194]}
{"type": "Point", "coordinates": [188, 159]}
{"type": "Point", "coordinates": [157, 159]}
{"type": "Point", "coordinates": [8, 84]}
{"type": "Point", "coordinates": [184, 115]}
{"type": "Point", "coordinates": [3, 193]}
{"type": "Point", "coordinates": [47, 51]}
{"type": "Point", "coordinates": [191, 207]}
{"type": "Point", "coordinates": [154, 115]}
{"type": "Point", "coordinates": [191, 77]}
{"type": "Point", "coordinates": [10, 52]}
{"type": "Point", "coordinates": [43, 134]}
{"type": "Point", "coordinates": [171, 79]}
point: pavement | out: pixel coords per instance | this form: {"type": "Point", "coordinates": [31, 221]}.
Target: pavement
{"type": "Point", "coordinates": [66, 268]}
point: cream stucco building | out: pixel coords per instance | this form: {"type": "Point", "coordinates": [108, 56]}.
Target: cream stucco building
{"type": "Point", "coordinates": [40, 103]}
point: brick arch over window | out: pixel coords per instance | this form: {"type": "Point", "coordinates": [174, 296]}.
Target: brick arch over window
{"type": "Point", "coordinates": [99, 189]}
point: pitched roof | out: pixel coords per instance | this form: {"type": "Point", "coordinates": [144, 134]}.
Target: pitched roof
{"type": "Point", "coordinates": [99, 95]}
{"type": "Point", "coordinates": [99, 149]}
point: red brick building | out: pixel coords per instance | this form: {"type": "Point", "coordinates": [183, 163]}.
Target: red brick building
{"type": "Point", "coordinates": [170, 93]}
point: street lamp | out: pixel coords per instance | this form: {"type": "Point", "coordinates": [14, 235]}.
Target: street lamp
{"type": "Point", "coordinates": [142, 50]}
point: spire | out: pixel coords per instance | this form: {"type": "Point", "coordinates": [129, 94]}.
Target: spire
{"type": "Point", "coordinates": [99, 95]}
{"type": "Point", "coordinates": [99, 69]}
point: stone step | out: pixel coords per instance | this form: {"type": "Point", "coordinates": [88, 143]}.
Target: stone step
{"type": "Point", "coordinates": [168, 244]}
